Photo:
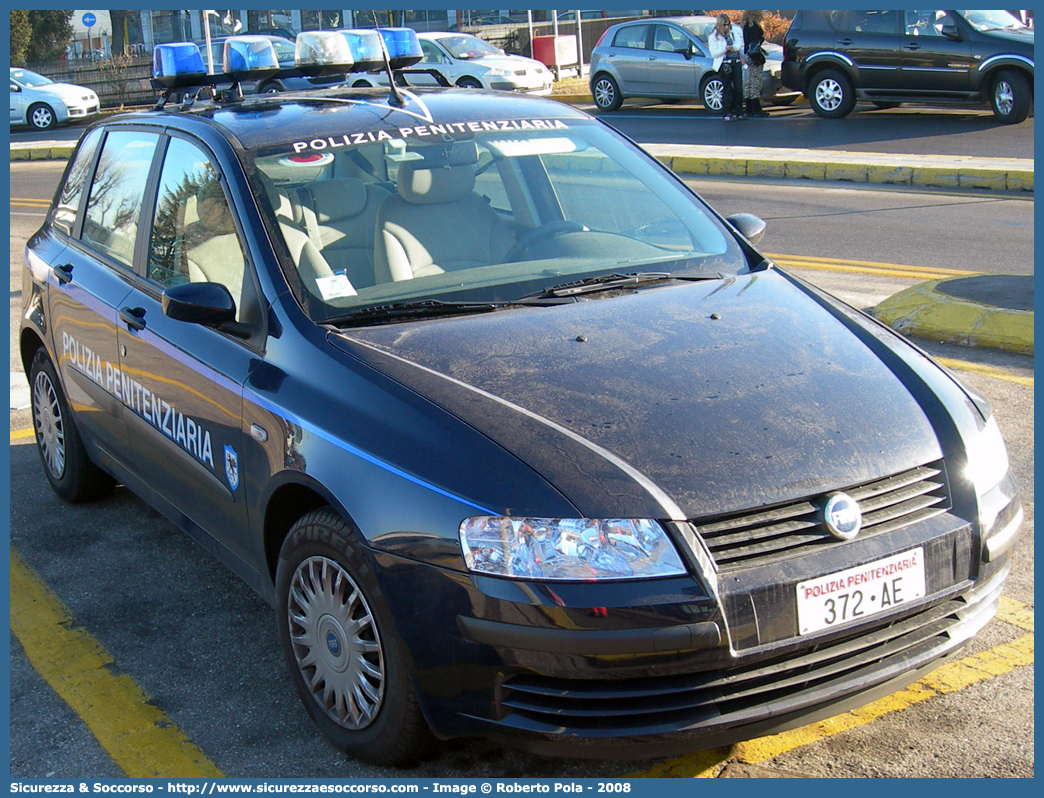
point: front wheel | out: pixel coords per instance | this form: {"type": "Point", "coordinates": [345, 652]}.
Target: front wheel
{"type": "Point", "coordinates": [1010, 97]}
{"type": "Point", "coordinates": [65, 460]}
{"type": "Point", "coordinates": [712, 93]}
{"type": "Point", "coordinates": [468, 82]}
{"type": "Point", "coordinates": [41, 116]}
{"type": "Point", "coordinates": [606, 93]}
{"type": "Point", "coordinates": [348, 666]}
{"type": "Point", "coordinates": [831, 95]}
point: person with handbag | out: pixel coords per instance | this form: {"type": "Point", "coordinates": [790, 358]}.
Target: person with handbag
{"type": "Point", "coordinates": [754, 49]}
{"type": "Point", "coordinates": [726, 48]}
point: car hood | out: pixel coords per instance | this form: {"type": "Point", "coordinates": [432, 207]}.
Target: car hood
{"type": "Point", "coordinates": [504, 62]}
{"type": "Point", "coordinates": [67, 91]}
{"type": "Point", "coordinates": [683, 401]}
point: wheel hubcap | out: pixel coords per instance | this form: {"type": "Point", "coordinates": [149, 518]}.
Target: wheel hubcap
{"type": "Point", "coordinates": [41, 117]}
{"type": "Point", "coordinates": [713, 97]}
{"type": "Point", "coordinates": [50, 428]}
{"type": "Point", "coordinates": [829, 95]}
{"type": "Point", "coordinates": [335, 642]}
{"type": "Point", "coordinates": [604, 94]}
{"type": "Point", "coordinates": [1005, 97]}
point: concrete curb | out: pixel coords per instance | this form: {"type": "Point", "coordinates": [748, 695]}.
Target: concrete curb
{"type": "Point", "coordinates": [937, 171]}
{"type": "Point", "coordinates": [925, 312]}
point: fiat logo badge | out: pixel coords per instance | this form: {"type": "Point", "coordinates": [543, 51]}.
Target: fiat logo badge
{"type": "Point", "coordinates": [842, 516]}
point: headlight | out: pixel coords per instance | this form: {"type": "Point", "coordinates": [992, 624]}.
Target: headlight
{"type": "Point", "coordinates": [577, 549]}
{"type": "Point", "coordinates": [987, 458]}
{"type": "Point", "coordinates": [499, 73]}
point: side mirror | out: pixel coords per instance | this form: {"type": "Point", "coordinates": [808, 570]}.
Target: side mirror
{"type": "Point", "coordinates": [209, 304]}
{"type": "Point", "coordinates": [751, 227]}
{"type": "Point", "coordinates": [15, 87]}
{"type": "Point", "coordinates": [950, 32]}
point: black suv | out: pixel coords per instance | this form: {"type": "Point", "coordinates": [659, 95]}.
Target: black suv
{"type": "Point", "coordinates": [890, 57]}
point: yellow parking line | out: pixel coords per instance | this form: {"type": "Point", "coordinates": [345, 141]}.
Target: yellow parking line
{"type": "Point", "coordinates": [21, 434]}
{"type": "Point", "coordinates": [950, 678]}
{"type": "Point", "coordinates": [140, 738]}
{"type": "Point", "coordinates": [873, 266]}
{"type": "Point", "coordinates": [985, 371]}
{"type": "Point", "coordinates": [36, 203]}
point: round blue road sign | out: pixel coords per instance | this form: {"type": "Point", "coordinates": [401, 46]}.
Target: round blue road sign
{"type": "Point", "coordinates": [89, 19]}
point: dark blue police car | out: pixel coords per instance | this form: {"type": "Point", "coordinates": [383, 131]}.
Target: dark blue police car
{"type": "Point", "coordinates": [520, 438]}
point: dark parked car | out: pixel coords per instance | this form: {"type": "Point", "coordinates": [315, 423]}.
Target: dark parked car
{"type": "Point", "coordinates": [669, 59]}
{"type": "Point", "coordinates": [520, 438]}
{"type": "Point", "coordinates": [889, 57]}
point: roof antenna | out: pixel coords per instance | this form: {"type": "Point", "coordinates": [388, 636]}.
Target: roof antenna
{"type": "Point", "coordinates": [397, 98]}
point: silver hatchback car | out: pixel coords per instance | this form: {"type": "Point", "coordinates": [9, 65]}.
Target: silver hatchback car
{"type": "Point", "coordinates": [669, 59]}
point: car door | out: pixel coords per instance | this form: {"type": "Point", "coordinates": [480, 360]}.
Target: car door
{"type": "Point", "coordinates": [669, 72]}
{"type": "Point", "coordinates": [933, 63]}
{"type": "Point", "coordinates": [435, 58]}
{"type": "Point", "coordinates": [629, 56]}
{"type": "Point", "coordinates": [184, 381]}
{"type": "Point", "coordinates": [871, 40]}
{"type": "Point", "coordinates": [17, 104]}
{"type": "Point", "coordinates": [92, 276]}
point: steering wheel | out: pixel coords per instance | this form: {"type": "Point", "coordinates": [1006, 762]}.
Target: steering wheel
{"type": "Point", "coordinates": [543, 233]}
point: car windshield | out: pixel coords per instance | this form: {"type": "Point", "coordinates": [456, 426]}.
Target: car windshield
{"type": "Point", "coordinates": [29, 79]}
{"type": "Point", "coordinates": [992, 20]}
{"type": "Point", "coordinates": [466, 47]}
{"type": "Point", "coordinates": [701, 30]}
{"type": "Point", "coordinates": [479, 212]}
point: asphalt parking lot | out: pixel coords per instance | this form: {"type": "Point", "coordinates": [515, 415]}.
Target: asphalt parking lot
{"type": "Point", "coordinates": [163, 618]}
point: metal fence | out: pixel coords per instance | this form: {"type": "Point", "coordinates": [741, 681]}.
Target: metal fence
{"type": "Point", "coordinates": [118, 81]}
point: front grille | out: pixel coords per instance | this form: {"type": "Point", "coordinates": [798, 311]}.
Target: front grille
{"type": "Point", "coordinates": [741, 540]}
{"type": "Point", "coordinates": [704, 702]}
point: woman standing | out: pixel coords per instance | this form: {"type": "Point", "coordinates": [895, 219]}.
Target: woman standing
{"type": "Point", "coordinates": [726, 48]}
{"type": "Point", "coordinates": [754, 49]}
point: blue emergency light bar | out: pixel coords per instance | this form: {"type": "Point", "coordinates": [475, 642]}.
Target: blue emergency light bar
{"type": "Point", "coordinates": [403, 47]}
{"type": "Point", "coordinates": [317, 53]}
{"type": "Point", "coordinates": [367, 48]}
{"type": "Point", "coordinates": [320, 52]}
{"type": "Point", "coordinates": [178, 64]}
{"type": "Point", "coordinates": [248, 57]}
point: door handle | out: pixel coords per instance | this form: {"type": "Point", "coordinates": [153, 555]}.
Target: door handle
{"type": "Point", "coordinates": [912, 46]}
{"type": "Point", "coordinates": [63, 273]}
{"type": "Point", "coordinates": [133, 317]}
{"type": "Point", "coordinates": [844, 42]}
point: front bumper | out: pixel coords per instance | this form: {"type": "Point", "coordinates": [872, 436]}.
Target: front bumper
{"type": "Point", "coordinates": [667, 666]}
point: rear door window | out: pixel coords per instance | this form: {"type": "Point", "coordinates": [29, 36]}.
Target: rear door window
{"type": "Point", "coordinates": [632, 37]}
{"type": "Point", "coordinates": [111, 225]}
{"type": "Point", "coordinates": [72, 192]}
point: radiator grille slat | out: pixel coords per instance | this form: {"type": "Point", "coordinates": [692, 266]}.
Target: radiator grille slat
{"type": "Point", "coordinates": [768, 535]}
{"type": "Point", "coordinates": [620, 705]}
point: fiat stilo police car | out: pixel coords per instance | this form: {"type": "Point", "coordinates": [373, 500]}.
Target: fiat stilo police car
{"type": "Point", "coordinates": [519, 437]}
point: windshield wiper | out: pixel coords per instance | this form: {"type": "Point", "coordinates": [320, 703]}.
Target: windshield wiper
{"type": "Point", "coordinates": [607, 282]}
{"type": "Point", "coordinates": [419, 308]}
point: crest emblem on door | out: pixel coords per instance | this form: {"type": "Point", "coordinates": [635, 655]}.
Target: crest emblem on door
{"type": "Point", "coordinates": [232, 467]}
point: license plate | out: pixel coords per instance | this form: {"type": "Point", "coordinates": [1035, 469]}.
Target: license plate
{"type": "Point", "coordinates": [858, 593]}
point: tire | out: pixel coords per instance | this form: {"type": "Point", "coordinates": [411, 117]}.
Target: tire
{"type": "Point", "coordinates": [606, 93]}
{"type": "Point", "coordinates": [41, 116]}
{"type": "Point", "coordinates": [270, 88]}
{"type": "Point", "coordinates": [361, 84]}
{"type": "Point", "coordinates": [712, 92]}
{"type": "Point", "coordinates": [65, 460]}
{"type": "Point", "coordinates": [883, 106]}
{"type": "Point", "coordinates": [831, 94]}
{"type": "Point", "coordinates": [1010, 97]}
{"type": "Point", "coordinates": [468, 82]}
{"type": "Point", "coordinates": [349, 668]}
